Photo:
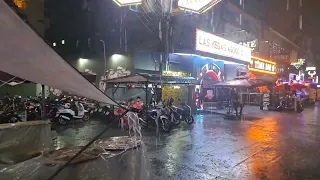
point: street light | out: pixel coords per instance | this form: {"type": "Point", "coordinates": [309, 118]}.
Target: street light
{"type": "Point", "coordinates": [83, 61]}
{"type": "Point", "coordinates": [116, 57]}
{"type": "Point", "coordinates": [104, 56]}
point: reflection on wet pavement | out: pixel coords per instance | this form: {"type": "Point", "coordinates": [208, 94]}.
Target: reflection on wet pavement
{"type": "Point", "coordinates": [275, 146]}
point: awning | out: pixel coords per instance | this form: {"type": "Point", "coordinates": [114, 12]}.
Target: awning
{"type": "Point", "coordinates": [242, 83]}
{"type": "Point", "coordinates": [151, 78]}
{"type": "Point", "coordinates": [24, 54]}
{"type": "Point", "coordinates": [8, 79]}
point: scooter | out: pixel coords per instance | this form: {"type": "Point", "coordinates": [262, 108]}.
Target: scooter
{"type": "Point", "coordinates": [68, 114]}
{"type": "Point", "coordinates": [177, 114]}
{"type": "Point", "coordinates": [286, 104]}
{"type": "Point", "coordinates": [155, 118]}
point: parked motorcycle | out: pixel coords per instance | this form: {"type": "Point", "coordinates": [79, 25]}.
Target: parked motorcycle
{"type": "Point", "coordinates": [68, 114]}
{"type": "Point", "coordinates": [156, 118]}
{"type": "Point", "coordinates": [178, 114]}
{"type": "Point", "coordinates": [286, 103]}
{"type": "Point", "coordinates": [11, 117]}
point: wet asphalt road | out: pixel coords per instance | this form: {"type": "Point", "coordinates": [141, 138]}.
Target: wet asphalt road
{"type": "Point", "coordinates": [269, 145]}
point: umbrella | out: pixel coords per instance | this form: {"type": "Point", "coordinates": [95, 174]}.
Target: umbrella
{"type": "Point", "coordinates": [242, 83]}
{"type": "Point", "coordinates": [297, 86]}
{"type": "Point", "coordinates": [281, 87]}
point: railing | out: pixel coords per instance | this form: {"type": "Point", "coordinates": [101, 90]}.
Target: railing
{"type": "Point", "coordinates": [251, 98]}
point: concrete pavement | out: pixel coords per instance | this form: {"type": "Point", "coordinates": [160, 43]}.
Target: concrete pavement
{"type": "Point", "coordinates": [272, 146]}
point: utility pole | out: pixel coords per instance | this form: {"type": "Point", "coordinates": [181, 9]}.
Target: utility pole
{"type": "Point", "coordinates": [104, 56]}
{"type": "Point", "coordinates": [164, 28]}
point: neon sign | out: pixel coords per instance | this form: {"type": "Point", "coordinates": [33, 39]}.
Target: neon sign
{"type": "Point", "coordinates": [262, 65]}
{"type": "Point", "coordinates": [299, 63]}
{"type": "Point", "coordinates": [127, 2]}
{"type": "Point", "coordinates": [197, 6]}
{"type": "Point", "coordinates": [311, 71]}
{"type": "Point", "coordinates": [213, 44]}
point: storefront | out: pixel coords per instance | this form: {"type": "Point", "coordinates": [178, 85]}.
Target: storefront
{"type": "Point", "coordinates": [176, 91]}
{"type": "Point", "coordinates": [214, 59]}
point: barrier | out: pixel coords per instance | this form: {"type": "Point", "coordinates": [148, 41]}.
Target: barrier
{"type": "Point", "coordinates": [251, 98]}
{"type": "Point", "coordinates": [24, 140]}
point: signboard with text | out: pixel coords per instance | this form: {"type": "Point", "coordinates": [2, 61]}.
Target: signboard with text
{"type": "Point", "coordinates": [263, 66]}
{"type": "Point", "coordinates": [213, 44]}
{"type": "Point", "coordinates": [197, 6]}
{"type": "Point", "coordinates": [176, 73]}
{"type": "Point", "coordinates": [312, 74]}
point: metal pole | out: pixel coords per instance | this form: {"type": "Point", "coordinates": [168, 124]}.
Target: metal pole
{"type": "Point", "coordinates": [104, 56]}
{"type": "Point", "coordinates": [43, 101]}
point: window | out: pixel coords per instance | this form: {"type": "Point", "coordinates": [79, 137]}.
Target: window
{"type": "Point", "coordinates": [300, 22]}
{"type": "Point", "coordinates": [288, 5]}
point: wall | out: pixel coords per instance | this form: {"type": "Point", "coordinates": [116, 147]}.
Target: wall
{"type": "Point", "coordinates": [24, 90]}
{"type": "Point", "coordinates": [35, 15]}
{"type": "Point", "coordinates": [146, 60]}
{"type": "Point", "coordinates": [283, 20]}
{"type": "Point", "coordinates": [181, 63]}
{"type": "Point", "coordinates": [123, 94]}
{"type": "Point", "coordinates": [96, 64]}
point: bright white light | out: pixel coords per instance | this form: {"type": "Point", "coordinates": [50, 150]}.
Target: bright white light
{"type": "Point", "coordinates": [176, 87]}
{"type": "Point", "coordinates": [213, 44]}
{"type": "Point", "coordinates": [116, 57]}
{"type": "Point", "coordinates": [197, 6]}
{"type": "Point", "coordinates": [310, 68]}
{"type": "Point", "coordinates": [54, 44]}
{"type": "Point", "coordinates": [62, 42]}
{"type": "Point", "coordinates": [126, 2]}
{"type": "Point", "coordinates": [83, 61]}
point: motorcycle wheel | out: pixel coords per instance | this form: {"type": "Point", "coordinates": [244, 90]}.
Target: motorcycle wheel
{"type": "Point", "coordinates": [15, 119]}
{"type": "Point", "coordinates": [174, 120]}
{"type": "Point", "coordinates": [189, 119]}
{"type": "Point", "coordinates": [86, 117]}
{"type": "Point", "coordinates": [166, 125]}
{"type": "Point", "coordinates": [61, 120]}
{"type": "Point", "coordinates": [299, 108]}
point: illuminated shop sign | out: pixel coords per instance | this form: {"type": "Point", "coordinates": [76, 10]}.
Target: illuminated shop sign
{"type": "Point", "coordinates": [197, 6]}
{"type": "Point", "coordinates": [298, 64]}
{"type": "Point", "coordinates": [127, 2]}
{"type": "Point", "coordinates": [210, 43]}
{"type": "Point", "coordinates": [250, 44]}
{"type": "Point", "coordinates": [262, 65]}
{"type": "Point", "coordinates": [176, 73]}
{"type": "Point", "coordinates": [312, 74]}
